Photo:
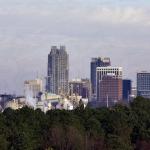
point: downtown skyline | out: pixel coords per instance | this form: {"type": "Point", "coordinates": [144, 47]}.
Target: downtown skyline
{"type": "Point", "coordinates": [118, 30]}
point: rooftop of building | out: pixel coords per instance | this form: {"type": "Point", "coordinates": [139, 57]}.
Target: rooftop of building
{"type": "Point", "coordinates": [79, 80]}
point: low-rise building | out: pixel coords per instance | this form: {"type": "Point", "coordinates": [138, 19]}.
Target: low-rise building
{"type": "Point", "coordinates": [16, 103]}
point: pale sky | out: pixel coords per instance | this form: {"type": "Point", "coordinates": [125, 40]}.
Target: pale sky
{"type": "Point", "coordinates": [119, 29]}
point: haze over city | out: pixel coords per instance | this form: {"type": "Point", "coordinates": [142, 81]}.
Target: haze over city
{"type": "Point", "coordinates": [107, 28]}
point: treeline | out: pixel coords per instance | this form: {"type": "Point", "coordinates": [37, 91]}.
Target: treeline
{"type": "Point", "coordinates": [118, 128]}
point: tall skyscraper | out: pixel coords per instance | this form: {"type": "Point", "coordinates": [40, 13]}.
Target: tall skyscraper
{"type": "Point", "coordinates": [143, 84]}
{"type": "Point", "coordinates": [58, 70]}
{"type": "Point", "coordinates": [127, 87]}
{"type": "Point", "coordinates": [109, 85]}
{"type": "Point", "coordinates": [97, 62]}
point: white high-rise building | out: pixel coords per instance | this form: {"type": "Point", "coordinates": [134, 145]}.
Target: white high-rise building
{"type": "Point", "coordinates": [101, 71]}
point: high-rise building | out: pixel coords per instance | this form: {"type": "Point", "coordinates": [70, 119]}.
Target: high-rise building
{"type": "Point", "coordinates": [109, 85]}
{"type": "Point", "coordinates": [80, 87]}
{"type": "Point", "coordinates": [97, 62]}
{"type": "Point", "coordinates": [143, 84]}
{"type": "Point", "coordinates": [127, 87]}
{"type": "Point", "coordinates": [110, 89]}
{"type": "Point", "coordinates": [58, 70]}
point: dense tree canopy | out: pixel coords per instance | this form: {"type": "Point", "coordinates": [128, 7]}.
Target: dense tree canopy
{"type": "Point", "coordinates": [117, 128]}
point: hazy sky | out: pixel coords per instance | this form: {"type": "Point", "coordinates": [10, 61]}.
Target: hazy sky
{"type": "Point", "coordinates": [119, 29]}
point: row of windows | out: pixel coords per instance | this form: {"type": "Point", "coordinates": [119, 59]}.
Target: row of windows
{"type": "Point", "coordinates": [99, 69]}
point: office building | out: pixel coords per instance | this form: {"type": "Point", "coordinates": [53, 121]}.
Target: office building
{"type": "Point", "coordinates": [143, 84]}
{"type": "Point", "coordinates": [32, 88]}
{"type": "Point", "coordinates": [109, 85]}
{"type": "Point", "coordinates": [110, 89]}
{"type": "Point", "coordinates": [97, 62]}
{"type": "Point", "coordinates": [58, 71]}
{"type": "Point", "coordinates": [127, 87]}
{"type": "Point", "coordinates": [80, 87]}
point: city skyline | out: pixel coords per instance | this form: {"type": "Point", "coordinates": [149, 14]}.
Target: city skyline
{"type": "Point", "coordinates": [118, 30]}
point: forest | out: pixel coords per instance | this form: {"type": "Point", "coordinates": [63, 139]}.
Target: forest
{"type": "Point", "coordinates": [117, 128]}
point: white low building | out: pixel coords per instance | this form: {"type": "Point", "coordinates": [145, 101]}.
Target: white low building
{"type": "Point", "coordinates": [51, 101]}
{"type": "Point", "coordinates": [48, 101]}
{"type": "Point", "coordinates": [16, 103]}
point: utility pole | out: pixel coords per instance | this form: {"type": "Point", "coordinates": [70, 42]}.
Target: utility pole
{"type": "Point", "coordinates": [107, 101]}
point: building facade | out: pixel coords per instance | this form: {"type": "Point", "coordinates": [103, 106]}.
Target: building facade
{"type": "Point", "coordinates": [109, 85]}
{"type": "Point", "coordinates": [143, 84]}
{"type": "Point", "coordinates": [134, 92]}
{"type": "Point", "coordinates": [127, 87]}
{"type": "Point", "coordinates": [97, 62]}
{"type": "Point", "coordinates": [32, 88]}
{"type": "Point", "coordinates": [58, 71]}
{"type": "Point", "coordinates": [110, 89]}
{"type": "Point", "coordinates": [80, 87]}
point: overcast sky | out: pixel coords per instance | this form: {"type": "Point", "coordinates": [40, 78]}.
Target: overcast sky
{"type": "Point", "coordinates": [119, 29]}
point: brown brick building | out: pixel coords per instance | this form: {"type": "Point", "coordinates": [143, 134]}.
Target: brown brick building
{"type": "Point", "coordinates": [109, 85]}
{"type": "Point", "coordinates": [110, 90]}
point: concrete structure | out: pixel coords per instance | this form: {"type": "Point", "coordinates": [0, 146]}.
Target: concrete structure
{"type": "Point", "coordinates": [17, 103]}
{"type": "Point", "coordinates": [33, 87]}
{"type": "Point", "coordinates": [80, 87]}
{"type": "Point", "coordinates": [58, 71]}
{"type": "Point", "coordinates": [127, 87]}
{"type": "Point", "coordinates": [48, 101]}
{"type": "Point", "coordinates": [52, 101]}
{"type": "Point", "coordinates": [133, 93]}
{"type": "Point", "coordinates": [143, 84]}
{"type": "Point", "coordinates": [97, 62]}
{"type": "Point", "coordinates": [50, 97]}
{"type": "Point", "coordinates": [109, 85]}
{"type": "Point", "coordinates": [75, 100]}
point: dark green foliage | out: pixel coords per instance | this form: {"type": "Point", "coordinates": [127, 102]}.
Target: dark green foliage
{"type": "Point", "coordinates": [118, 128]}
